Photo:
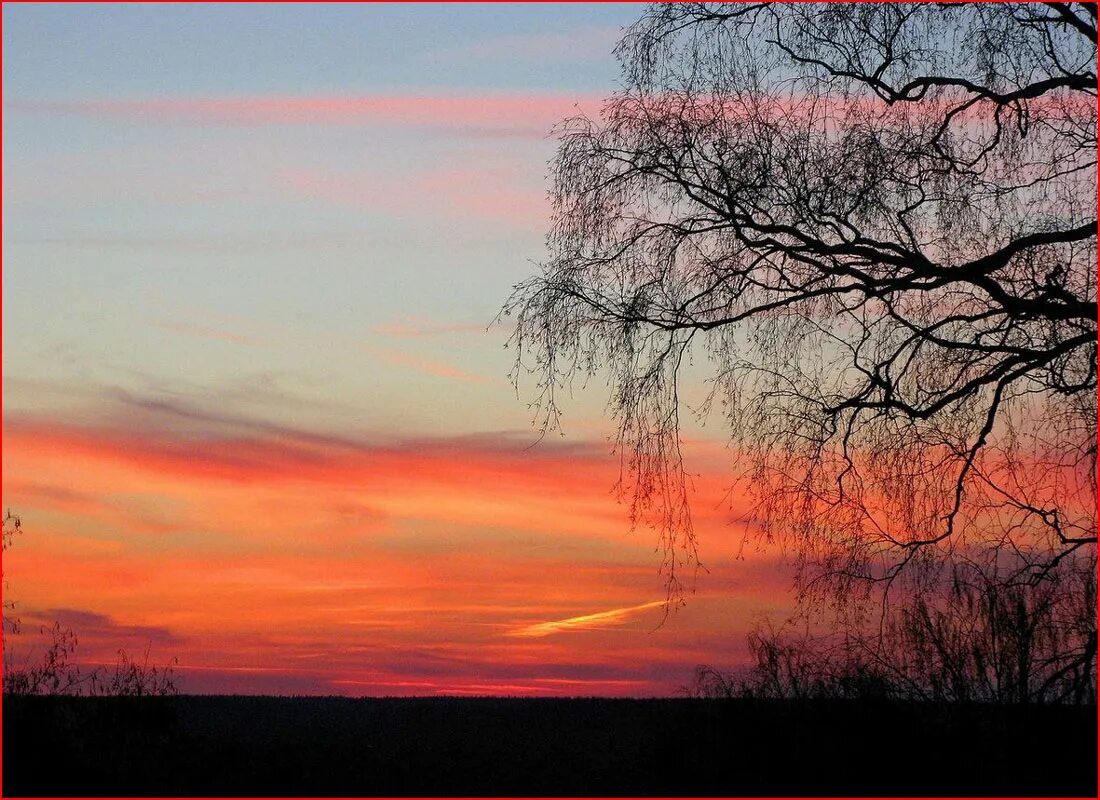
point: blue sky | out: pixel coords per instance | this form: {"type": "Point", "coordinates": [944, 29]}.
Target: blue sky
{"type": "Point", "coordinates": [124, 232]}
{"type": "Point", "coordinates": [68, 50]}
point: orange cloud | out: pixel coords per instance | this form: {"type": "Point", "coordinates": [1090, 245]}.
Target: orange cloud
{"type": "Point", "coordinates": [274, 560]}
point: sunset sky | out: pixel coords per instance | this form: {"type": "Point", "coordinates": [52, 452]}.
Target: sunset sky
{"type": "Point", "coordinates": [256, 413]}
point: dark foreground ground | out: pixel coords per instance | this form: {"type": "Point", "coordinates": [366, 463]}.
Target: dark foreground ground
{"type": "Point", "coordinates": [332, 746]}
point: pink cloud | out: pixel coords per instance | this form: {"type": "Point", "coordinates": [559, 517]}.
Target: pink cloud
{"type": "Point", "coordinates": [427, 366]}
{"type": "Point", "coordinates": [490, 114]}
{"type": "Point", "coordinates": [415, 327]}
{"type": "Point", "coordinates": [507, 114]}
{"type": "Point", "coordinates": [493, 192]}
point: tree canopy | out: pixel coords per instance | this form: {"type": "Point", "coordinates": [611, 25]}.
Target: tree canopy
{"type": "Point", "coordinates": [877, 221]}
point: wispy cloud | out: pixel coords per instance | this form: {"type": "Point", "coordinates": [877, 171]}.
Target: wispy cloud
{"type": "Point", "coordinates": [485, 114]}
{"type": "Point", "coordinates": [413, 327]}
{"type": "Point", "coordinates": [90, 624]}
{"type": "Point", "coordinates": [600, 619]}
{"type": "Point", "coordinates": [482, 191]}
{"type": "Point", "coordinates": [207, 333]}
{"type": "Point", "coordinates": [354, 562]}
{"type": "Point", "coordinates": [426, 366]}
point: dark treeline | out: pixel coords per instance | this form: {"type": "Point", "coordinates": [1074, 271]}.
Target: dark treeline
{"type": "Point", "coordinates": [237, 746]}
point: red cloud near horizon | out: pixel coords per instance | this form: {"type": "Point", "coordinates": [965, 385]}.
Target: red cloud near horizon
{"type": "Point", "coordinates": [270, 560]}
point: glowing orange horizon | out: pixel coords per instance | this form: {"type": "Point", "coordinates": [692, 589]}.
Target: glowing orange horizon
{"type": "Point", "coordinates": [277, 562]}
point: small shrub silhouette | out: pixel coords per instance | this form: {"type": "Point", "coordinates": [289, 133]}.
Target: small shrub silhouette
{"type": "Point", "coordinates": [55, 674]}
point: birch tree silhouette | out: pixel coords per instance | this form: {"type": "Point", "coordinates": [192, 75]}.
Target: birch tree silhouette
{"type": "Point", "coordinates": [877, 224]}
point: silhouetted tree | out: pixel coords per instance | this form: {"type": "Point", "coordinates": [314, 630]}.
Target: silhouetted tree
{"type": "Point", "coordinates": [12, 526]}
{"type": "Point", "coordinates": [990, 643]}
{"type": "Point", "coordinates": [877, 223]}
